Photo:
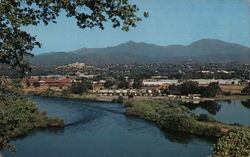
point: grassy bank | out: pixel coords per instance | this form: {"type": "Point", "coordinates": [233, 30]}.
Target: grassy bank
{"type": "Point", "coordinates": [19, 115]}
{"type": "Point", "coordinates": [20, 120]}
{"type": "Point", "coordinates": [94, 97]}
{"type": "Point", "coordinates": [170, 116]}
{"type": "Point", "coordinates": [38, 120]}
{"type": "Point", "coordinates": [60, 94]}
{"type": "Point", "coordinates": [231, 97]}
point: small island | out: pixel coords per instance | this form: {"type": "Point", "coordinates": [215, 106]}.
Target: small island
{"type": "Point", "coordinates": [171, 116]}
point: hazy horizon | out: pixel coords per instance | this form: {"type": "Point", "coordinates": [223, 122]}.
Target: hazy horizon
{"type": "Point", "coordinates": [170, 22]}
{"type": "Point", "coordinates": [138, 43]}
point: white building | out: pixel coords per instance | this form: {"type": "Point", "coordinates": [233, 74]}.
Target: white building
{"type": "Point", "coordinates": [220, 81]}
{"type": "Point", "coordinates": [153, 82]}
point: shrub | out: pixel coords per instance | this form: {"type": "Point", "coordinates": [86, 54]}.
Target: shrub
{"type": "Point", "coordinates": [36, 84]}
{"type": "Point", "coordinates": [80, 87]}
{"type": "Point", "coordinates": [235, 144]}
{"type": "Point", "coordinates": [120, 99]}
{"type": "Point", "coordinates": [246, 90]}
{"type": "Point", "coordinates": [205, 118]}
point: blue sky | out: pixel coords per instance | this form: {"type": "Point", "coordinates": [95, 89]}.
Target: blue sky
{"type": "Point", "coordinates": [170, 22]}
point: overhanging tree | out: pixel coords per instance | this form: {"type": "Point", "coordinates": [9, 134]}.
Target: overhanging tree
{"type": "Point", "coordinates": [16, 44]}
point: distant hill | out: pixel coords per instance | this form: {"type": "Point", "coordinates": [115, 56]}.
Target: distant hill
{"type": "Point", "coordinates": [205, 50]}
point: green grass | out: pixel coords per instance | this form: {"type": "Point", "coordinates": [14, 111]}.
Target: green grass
{"type": "Point", "coordinates": [170, 116]}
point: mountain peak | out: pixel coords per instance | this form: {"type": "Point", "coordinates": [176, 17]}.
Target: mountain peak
{"type": "Point", "coordinates": [208, 41]}
{"type": "Point", "coordinates": [204, 50]}
{"type": "Point", "coordinates": [131, 42]}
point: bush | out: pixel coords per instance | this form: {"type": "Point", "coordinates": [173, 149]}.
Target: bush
{"type": "Point", "coordinates": [120, 99]}
{"type": "Point", "coordinates": [36, 84]}
{"type": "Point", "coordinates": [80, 87]}
{"type": "Point", "coordinates": [211, 90]}
{"type": "Point", "coordinates": [65, 93]}
{"type": "Point", "coordinates": [246, 90]}
{"type": "Point", "coordinates": [234, 144]}
{"type": "Point", "coordinates": [171, 116]}
{"type": "Point", "coordinates": [205, 118]}
{"type": "Point", "coordinates": [48, 92]}
{"type": "Point", "coordinates": [18, 114]}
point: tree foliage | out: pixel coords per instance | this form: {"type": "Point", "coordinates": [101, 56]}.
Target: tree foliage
{"type": "Point", "coordinates": [246, 90]}
{"type": "Point", "coordinates": [172, 116]}
{"type": "Point", "coordinates": [16, 44]}
{"type": "Point", "coordinates": [191, 87]}
{"type": "Point", "coordinates": [233, 144]}
{"type": "Point", "coordinates": [18, 114]}
{"type": "Point", "coordinates": [36, 84]}
{"type": "Point", "coordinates": [137, 84]}
{"type": "Point", "coordinates": [211, 90]}
{"type": "Point", "coordinates": [80, 87]}
{"type": "Point", "coordinates": [108, 84]}
{"type": "Point", "coordinates": [28, 83]}
{"type": "Point", "coordinates": [123, 84]}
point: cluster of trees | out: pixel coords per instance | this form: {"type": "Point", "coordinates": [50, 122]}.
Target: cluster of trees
{"type": "Point", "coordinates": [123, 83]}
{"type": "Point", "coordinates": [16, 45]}
{"type": "Point", "coordinates": [233, 144]}
{"type": "Point", "coordinates": [137, 84]}
{"type": "Point", "coordinates": [109, 83]}
{"type": "Point", "coordinates": [246, 103]}
{"type": "Point", "coordinates": [80, 87]}
{"type": "Point", "coordinates": [171, 116]}
{"type": "Point", "coordinates": [246, 90]}
{"type": "Point", "coordinates": [18, 114]}
{"type": "Point", "coordinates": [191, 87]}
{"type": "Point", "coordinates": [35, 84]}
{"type": "Point", "coordinates": [181, 71]}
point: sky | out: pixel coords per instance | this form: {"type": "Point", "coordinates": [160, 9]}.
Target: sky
{"type": "Point", "coordinates": [170, 22]}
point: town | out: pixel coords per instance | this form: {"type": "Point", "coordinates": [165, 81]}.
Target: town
{"type": "Point", "coordinates": [124, 78]}
{"type": "Point", "coordinates": [132, 80]}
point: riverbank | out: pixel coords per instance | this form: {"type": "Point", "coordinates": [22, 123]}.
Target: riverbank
{"type": "Point", "coordinates": [100, 123]}
{"type": "Point", "coordinates": [20, 115]}
{"type": "Point", "coordinates": [170, 116]}
{"type": "Point", "coordinates": [95, 97]}
{"type": "Point", "coordinates": [224, 97]}
{"type": "Point", "coordinates": [35, 120]}
{"type": "Point", "coordinates": [153, 109]}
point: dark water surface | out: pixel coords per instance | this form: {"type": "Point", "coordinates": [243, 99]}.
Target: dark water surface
{"type": "Point", "coordinates": [97, 129]}
{"type": "Point", "coordinates": [230, 111]}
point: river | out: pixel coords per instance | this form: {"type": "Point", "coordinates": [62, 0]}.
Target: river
{"type": "Point", "coordinates": [229, 111]}
{"type": "Point", "coordinates": [100, 129]}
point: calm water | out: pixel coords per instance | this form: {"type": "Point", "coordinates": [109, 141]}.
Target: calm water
{"type": "Point", "coordinates": [231, 111]}
{"type": "Point", "coordinates": [96, 129]}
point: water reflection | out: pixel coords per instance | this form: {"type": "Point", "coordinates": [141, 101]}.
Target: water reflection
{"type": "Point", "coordinates": [226, 111]}
{"type": "Point", "coordinates": [37, 131]}
{"type": "Point", "coordinates": [246, 103]}
{"type": "Point", "coordinates": [184, 138]}
{"type": "Point", "coordinates": [101, 129]}
{"type": "Point", "coordinates": [226, 101]}
{"type": "Point", "coordinates": [210, 106]}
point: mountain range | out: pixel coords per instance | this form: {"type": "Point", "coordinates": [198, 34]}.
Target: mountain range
{"type": "Point", "coordinates": [204, 50]}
